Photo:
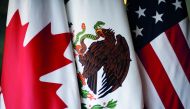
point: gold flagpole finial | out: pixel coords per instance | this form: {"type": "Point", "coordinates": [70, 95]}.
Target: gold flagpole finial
{"type": "Point", "coordinates": [125, 2]}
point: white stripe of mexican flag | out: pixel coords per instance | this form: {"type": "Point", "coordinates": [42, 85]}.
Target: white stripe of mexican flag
{"type": "Point", "coordinates": [91, 21]}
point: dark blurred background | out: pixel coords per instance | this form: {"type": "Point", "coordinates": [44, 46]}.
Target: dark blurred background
{"type": "Point", "coordinates": [3, 14]}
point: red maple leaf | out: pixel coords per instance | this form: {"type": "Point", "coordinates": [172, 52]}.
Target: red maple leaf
{"type": "Point", "coordinates": [23, 66]}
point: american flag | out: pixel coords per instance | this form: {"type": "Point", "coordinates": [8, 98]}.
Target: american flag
{"type": "Point", "coordinates": [161, 35]}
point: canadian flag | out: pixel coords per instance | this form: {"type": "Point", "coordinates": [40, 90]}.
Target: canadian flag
{"type": "Point", "coordinates": [38, 63]}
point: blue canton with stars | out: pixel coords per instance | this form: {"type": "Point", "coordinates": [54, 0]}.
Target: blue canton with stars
{"type": "Point", "coordinates": [150, 18]}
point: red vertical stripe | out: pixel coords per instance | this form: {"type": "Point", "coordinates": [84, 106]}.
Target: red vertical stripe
{"type": "Point", "coordinates": [159, 78]}
{"type": "Point", "coordinates": [180, 46]}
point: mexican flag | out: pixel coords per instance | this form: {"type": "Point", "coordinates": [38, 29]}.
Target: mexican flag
{"type": "Point", "coordinates": [105, 58]}
{"type": "Point", "coordinates": [38, 64]}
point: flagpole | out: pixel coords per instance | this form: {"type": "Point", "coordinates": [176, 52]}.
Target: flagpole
{"type": "Point", "coordinates": [188, 7]}
{"type": "Point", "coordinates": [125, 2]}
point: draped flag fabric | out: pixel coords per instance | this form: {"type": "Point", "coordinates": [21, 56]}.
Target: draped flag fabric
{"type": "Point", "coordinates": [161, 35]}
{"type": "Point", "coordinates": [1, 100]}
{"type": "Point", "coordinates": [38, 64]}
{"type": "Point", "coordinates": [105, 57]}
{"type": "Point", "coordinates": [188, 7]}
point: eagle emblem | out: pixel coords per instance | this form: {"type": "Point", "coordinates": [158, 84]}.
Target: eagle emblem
{"type": "Point", "coordinates": [112, 54]}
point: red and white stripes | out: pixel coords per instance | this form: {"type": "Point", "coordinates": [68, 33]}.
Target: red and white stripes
{"type": "Point", "coordinates": [166, 60]}
{"type": "Point", "coordinates": [151, 98]}
{"type": "Point", "coordinates": [180, 47]}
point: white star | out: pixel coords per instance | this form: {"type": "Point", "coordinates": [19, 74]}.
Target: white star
{"type": "Point", "coordinates": [138, 31]}
{"type": "Point", "coordinates": [158, 17]}
{"type": "Point", "coordinates": [177, 4]}
{"type": "Point", "coordinates": [159, 1]}
{"type": "Point", "coordinates": [140, 12]}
